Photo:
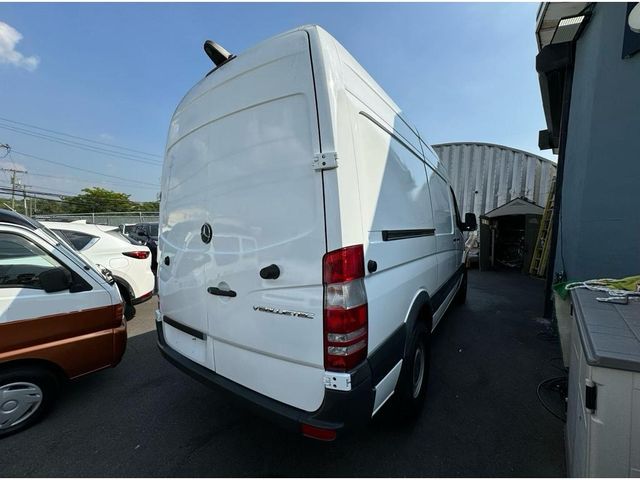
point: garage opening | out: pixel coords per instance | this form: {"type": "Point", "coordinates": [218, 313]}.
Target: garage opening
{"type": "Point", "coordinates": [508, 235]}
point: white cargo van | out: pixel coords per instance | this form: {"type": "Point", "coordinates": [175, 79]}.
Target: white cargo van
{"type": "Point", "coordinates": [309, 239]}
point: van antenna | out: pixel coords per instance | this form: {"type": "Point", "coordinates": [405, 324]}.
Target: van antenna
{"type": "Point", "coordinates": [217, 53]}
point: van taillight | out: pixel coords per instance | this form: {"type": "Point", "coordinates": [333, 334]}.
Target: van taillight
{"type": "Point", "coordinates": [345, 308]}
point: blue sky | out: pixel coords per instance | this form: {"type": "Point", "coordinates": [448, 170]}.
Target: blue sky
{"type": "Point", "coordinates": [115, 72]}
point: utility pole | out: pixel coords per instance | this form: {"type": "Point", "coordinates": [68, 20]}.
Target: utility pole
{"type": "Point", "coordinates": [13, 183]}
{"type": "Point", "coordinates": [6, 147]}
{"type": "Point", "coordinates": [24, 199]}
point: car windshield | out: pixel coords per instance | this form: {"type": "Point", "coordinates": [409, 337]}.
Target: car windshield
{"type": "Point", "coordinates": [153, 229]}
{"type": "Point", "coordinates": [117, 234]}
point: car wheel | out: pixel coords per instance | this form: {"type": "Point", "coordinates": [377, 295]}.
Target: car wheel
{"type": "Point", "coordinates": [26, 395]}
{"type": "Point", "coordinates": [461, 296]}
{"type": "Point", "coordinates": [414, 376]}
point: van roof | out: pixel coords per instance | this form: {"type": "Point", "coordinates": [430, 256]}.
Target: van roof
{"type": "Point", "coordinates": [323, 40]}
{"type": "Point", "coordinates": [15, 218]}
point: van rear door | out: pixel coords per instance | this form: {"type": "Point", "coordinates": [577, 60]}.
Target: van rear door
{"type": "Point", "coordinates": [239, 165]}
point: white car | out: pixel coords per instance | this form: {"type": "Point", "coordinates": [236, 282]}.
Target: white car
{"type": "Point", "coordinates": [129, 263]}
{"type": "Point", "coordinates": [309, 241]}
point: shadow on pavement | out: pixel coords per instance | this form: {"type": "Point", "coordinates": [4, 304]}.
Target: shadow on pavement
{"type": "Point", "coordinates": [481, 418]}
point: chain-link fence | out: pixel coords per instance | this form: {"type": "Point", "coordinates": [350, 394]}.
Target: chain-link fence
{"type": "Point", "coordinates": [105, 218]}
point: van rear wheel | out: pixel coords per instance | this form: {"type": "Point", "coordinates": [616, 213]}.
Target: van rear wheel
{"type": "Point", "coordinates": [26, 395]}
{"type": "Point", "coordinates": [414, 376]}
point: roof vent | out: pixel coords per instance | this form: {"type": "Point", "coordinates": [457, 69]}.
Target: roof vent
{"type": "Point", "coordinates": [216, 53]}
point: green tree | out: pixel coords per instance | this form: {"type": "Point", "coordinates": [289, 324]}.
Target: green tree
{"type": "Point", "coordinates": [97, 200]}
{"type": "Point", "coordinates": [148, 206]}
{"type": "Point", "coordinates": [43, 206]}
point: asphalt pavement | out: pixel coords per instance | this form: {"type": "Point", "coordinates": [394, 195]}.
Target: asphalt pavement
{"type": "Point", "coordinates": [481, 418]}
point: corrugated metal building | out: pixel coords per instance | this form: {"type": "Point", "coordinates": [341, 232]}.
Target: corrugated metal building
{"type": "Point", "coordinates": [485, 176]}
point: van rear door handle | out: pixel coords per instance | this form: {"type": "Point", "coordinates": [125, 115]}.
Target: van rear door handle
{"type": "Point", "coordinates": [222, 293]}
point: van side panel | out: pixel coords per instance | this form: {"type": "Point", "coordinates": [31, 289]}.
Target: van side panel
{"type": "Point", "coordinates": [78, 342]}
{"type": "Point", "coordinates": [393, 195]}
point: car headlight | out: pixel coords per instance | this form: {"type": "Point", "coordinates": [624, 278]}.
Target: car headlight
{"type": "Point", "coordinates": [106, 273]}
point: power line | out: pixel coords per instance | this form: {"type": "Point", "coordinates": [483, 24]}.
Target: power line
{"type": "Point", "coordinates": [89, 148]}
{"type": "Point", "coordinates": [70, 202]}
{"type": "Point", "coordinates": [43, 196]}
{"type": "Point", "coordinates": [53, 194]}
{"type": "Point", "coordinates": [35, 157]}
{"type": "Point", "coordinates": [80, 138]}
{"type": "Point", "coordinates": [102, 181]}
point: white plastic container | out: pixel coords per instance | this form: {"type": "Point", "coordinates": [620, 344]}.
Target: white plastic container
{"type": "Point", "coordinates": [603, 415]}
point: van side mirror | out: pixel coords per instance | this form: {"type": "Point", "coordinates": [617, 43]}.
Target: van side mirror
{"type": "Point", "coordinates": [55, 279]}
{"type": "Point", "coordinates": [470, 222]}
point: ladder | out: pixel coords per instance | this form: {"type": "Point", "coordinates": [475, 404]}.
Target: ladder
{"type": "Point", "coordinates": [541, 253]}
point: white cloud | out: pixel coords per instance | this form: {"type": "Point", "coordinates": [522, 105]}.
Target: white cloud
{"type": "Point", "coordinates": [9, 38]}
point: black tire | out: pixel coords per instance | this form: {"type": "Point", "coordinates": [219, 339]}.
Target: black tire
{"type": "Point", "coordinates": [461, 296]}
{"type": "Point", "coordinates": [19, 387]}
{"type": "Point", "coordinates": [412, 386]}
{"type": "Point", "coordinates": [129, 309]}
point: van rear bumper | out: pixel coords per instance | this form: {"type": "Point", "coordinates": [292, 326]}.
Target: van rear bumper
{"type": "Point", "coordinates": [340, 410]}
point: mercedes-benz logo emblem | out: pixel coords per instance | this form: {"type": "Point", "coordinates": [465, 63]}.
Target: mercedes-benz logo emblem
{"type": "Point", "coordinates": [206, 233]}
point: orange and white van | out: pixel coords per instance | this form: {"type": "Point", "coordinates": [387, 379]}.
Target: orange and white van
{"type": "Point", "coordinates": [60, 319]}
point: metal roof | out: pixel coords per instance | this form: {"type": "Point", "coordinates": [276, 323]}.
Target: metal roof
{"type": "Point", "coordinates": [495, 145]}
{"type": "Point", "coordinates": [485, 176]}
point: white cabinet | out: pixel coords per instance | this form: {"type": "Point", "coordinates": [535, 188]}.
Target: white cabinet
{"type": "Point", "coordinates": [603, 414]}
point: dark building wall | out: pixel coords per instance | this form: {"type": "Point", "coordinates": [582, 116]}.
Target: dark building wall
{"type": "Point", "coordinates": [600, 215]}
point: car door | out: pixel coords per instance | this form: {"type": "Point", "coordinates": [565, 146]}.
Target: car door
{"type": "Point", "coordinates": [240, 195]}
{"type": "Point", "coordinates": [31, 317]}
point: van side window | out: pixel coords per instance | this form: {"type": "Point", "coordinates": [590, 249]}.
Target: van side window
{"type": "Point", "coordinates": [395, 175]}
{"type": "Point", "coordinates": [21, 262]}
{"type": "Point", "coordinates": [440, 202]}
{"type": "Point", "coordinates": [458, 219]}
